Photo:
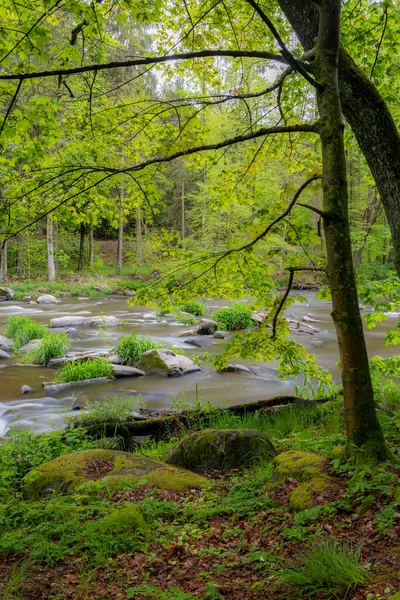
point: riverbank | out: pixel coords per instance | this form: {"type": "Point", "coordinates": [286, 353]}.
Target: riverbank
{"type": "Point", "coordinates": [237, 535]}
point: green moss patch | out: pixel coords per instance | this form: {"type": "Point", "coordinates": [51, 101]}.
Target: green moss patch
{"type": "Point", "coordinates": [298, 464]}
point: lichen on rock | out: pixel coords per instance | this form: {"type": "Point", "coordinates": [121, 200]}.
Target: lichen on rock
{"type": "Point", "coordinates": [66, 473]}
{"type": "Point", "coordinates": [299, 464]}
{"type": "Point", "coordinates": [221, 449]}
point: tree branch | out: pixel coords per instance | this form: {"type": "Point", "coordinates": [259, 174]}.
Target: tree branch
{"type": "Point", "coordinates": [13, 99]}
{"type": "Point", "coordinates": [150, 60]}
{"type": "Point", "coordinates": [319, 212]}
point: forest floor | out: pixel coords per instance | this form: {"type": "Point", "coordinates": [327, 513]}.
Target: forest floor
{"type": "Point", "coordinates": [234, 539]}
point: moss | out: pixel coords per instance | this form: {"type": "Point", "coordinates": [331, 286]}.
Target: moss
{"type": "Point", "coordinates": [365, 505]}
{"type": "Point", "coordinates": [128, 518]}
{"type": "Point", "coordinates": [303, 496]}
{"type": "Point", "coordinates": [298, 464]}
{"type": "Point", "coordinates": [395, 597]}
{"type": "Point", "coordinates": [221, 449]}
{"type": "Point", "coordinates": [396, 494]}
{"type": "Point", "coordinates": [68, 472]}
{"type": "Point", "coordinates": [153, 362]}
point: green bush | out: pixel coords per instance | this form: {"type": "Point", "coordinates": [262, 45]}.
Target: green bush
{"type": "Point", "coordinates": [328, 570]}
{"type": "Point", "coordinates": [24, 329]}
{"type": "Point", "coordinates": [233, 318]}
{"type": "Point", "coordinates": [131, 347]}
{"type": "Point", "coordinates": [84, 369]}
{"type": "Point", "coordinates": [195, 307]}
{"type": "Point", "coordinates": [53, 344]}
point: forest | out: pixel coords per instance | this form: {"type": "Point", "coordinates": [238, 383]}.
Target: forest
{"type": "Point", "coordinates": [199, 299]}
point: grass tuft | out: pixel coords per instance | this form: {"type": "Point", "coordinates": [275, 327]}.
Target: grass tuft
{"type": "Point", "coordinates": [194, 307]}
{"type": "Point", "coordinates": [84, 369]}
{"type": "Point", "coordinates": [52, 345]}
{"type": "Point", "coordinates": [131, 347]}
{"type": "Point", "coordinates": [23, 329]}
{"type": "Point", "coordinates": [234, 318]}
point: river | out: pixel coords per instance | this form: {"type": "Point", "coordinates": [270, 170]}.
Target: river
{"type": "Point", "coordinates": [40, 414]}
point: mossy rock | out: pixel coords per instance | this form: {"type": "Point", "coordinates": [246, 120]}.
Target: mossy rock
{"type": "Point", "coordinates": [304, 495]}
{"type": "Point", "coordinates": [221, 449]}
{"type": "Point", "coordinates": [125, 518]}
{"type": "Point", "coordinates": [299, 464]}
{"type": "Point", "coordinates": [66, 473]}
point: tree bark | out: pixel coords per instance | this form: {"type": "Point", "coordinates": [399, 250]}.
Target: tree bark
{"type": "Point", "coordinates": [138, 233]}
{"type": "Point", "coordinates": [364, 435]}
{"type": "Point", "coordinates": [120, 245]}
{"type": "Point", "coordinates": [20, 255]}
{"type": "Point", "coordinates": [91, 247]}
{"type": "Point", "coordinates": [51, 267]}
{"type": "Point", "coordinates": [367, 114]}
{"type": "Point", "coordinates": [183, 204]}
{"type": "Point", "coordinates": [4, 262]}
{"type": "Point", "coordinates": [81, 247]}
{"type": "Point", "coordinates": [56, 244]}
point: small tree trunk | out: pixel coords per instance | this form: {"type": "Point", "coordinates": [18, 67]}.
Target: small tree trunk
{"type": "Point", "coordinates": [120, 245]}
{"type": "Point", "coordinates": [20, 255]}
{"type": "Point", "coordinates": [364, 435]}
{"type": "Point", "coordinates": [56, 244]}
{"type": "Point", "coordinates": [183, 205]}
{"type": "Point", "coordinates": [91, 247]}
{"type": "Point", "coordinates": [138, 233]}
{"type": "Point", "coordinates": [51, 267]}
{"type": "Point", "coordinates": [81, 247]}
{"type": "Point", "coordinates": [4, 261]}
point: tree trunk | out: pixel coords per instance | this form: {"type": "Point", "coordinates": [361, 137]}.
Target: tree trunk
{"type": "Point", "coordinates": [51, 267]}
{"type": "Point", "coordinates": [364, 435]}
{"type": "Point", "coordinates": [183, 204]}
{"type": "Point", "coordinates": [120, 245]}
{"type": "Point", "coordinates": [81, 247]}
{"type": "Point", "coordinates": [91, 247]}
{"type": "Point", "coordinates": [367, 114]}
{"type": "Point", "coordinates": [20, 255]}
{"type": "Point", "coordinates": [56, 244]}
{"type": "Point", "coordinates": [4, 260]}
{"type": "Point", "coordinates": [138, 233]}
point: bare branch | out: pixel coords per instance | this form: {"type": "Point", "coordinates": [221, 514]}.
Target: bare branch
{"type": "Point", "coordinates": [13, 99]}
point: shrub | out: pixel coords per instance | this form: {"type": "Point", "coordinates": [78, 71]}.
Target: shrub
{"type": "Point", "coordinates": [53, 344]}
{"type": "Point", "coordinates": [84, 369]}
{"type": "Point", "coordinates": [329, 570]}
{"type": "Point", "coordinates": [195, 307]}
{"type": "Point", "coordinates": [235, 317]}
{"type": "Point", "coordinates": [23, 329]}
{"type": "Point", "coordinates": [111, 410]}
{"type": "Point", "coordinates": [131, 347]}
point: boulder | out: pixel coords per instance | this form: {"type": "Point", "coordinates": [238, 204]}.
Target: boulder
{"type": "Point", "coordinates": [115, 359]}
{"type": "Point", "coordinates": [221, 449]}
{"type": "Point", "coordinates": [206, 327]}
{"type": "Point", "coordinates": [200, 342]}
{"type": "Point", "coordinates": [48, 299]}
{"type": "Point", "coordinates": [5, 343]}
{"type": "Point", "coordinates": [124, 371]}
{"type": "Point", "coordinates": [220, 335]}
{"type": "Point", "coordinates": [66, 473]}
{"type": "Point", "coordinates": [25, 389]}
{"type": "Point", "coordinates": [166, 363]}
{"type": "Point", "coordinates": [149, 317]}
{"type": "Point", "coordinates": [74, 356]}
{"type": "Point", "coordinates": [75, 321]}
{"type": "Point", "coordinates": [6, 294]}
{"type": "Point", "coordinates": [51, 387]}
{"type": "Point", "coordinates": [4, 354]}
{"type": "Point", "coordinates": [30, 346]}
{"type": "Point", "coordinates": [239, 369]}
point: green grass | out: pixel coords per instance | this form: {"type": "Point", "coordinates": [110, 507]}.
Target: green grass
{"type": "Point", "coordinates": [22, 330]}
{"type": "Point", "coordinates": [194, 307]}
{"type": "Point", "coordinates": [84, 369]}
{"type": "Point", "coordinates": [110, 410]}
{"type": "Point", "coordinates": [328, 570]}
{"type": "Point", "coordinates": [52, 345]}
{"type": "Point", "coordinates": [131, 347]}
{"type": "Point", "coordinates": [234, 318]}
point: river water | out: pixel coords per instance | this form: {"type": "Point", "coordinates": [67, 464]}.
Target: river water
{"type": "Point", "coordinates": [40, 414]}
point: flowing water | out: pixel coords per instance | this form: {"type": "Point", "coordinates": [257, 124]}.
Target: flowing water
{"type": "Point", "coordinates": [40, 413]}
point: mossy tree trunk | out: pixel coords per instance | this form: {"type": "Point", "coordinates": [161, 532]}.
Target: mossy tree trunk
{"type": "Point", "coordinates": [364, 435]}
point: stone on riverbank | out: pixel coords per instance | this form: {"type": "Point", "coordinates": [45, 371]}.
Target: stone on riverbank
{"type": "Point", "coordinates": [166, 363]}
{"type": "Point", "coordinates": [76, 321]}
{"type": "Point", "coordinates": [48, 299]}
{"type": "Point", "coordinates": [6, 294]}
{"type": "Point", "coordinates": [221, 449]}
{"type": "Point", "coordinates": [206, 327]}
{"type": "Point", "coordinates": [30, 346]}
{"type": "Point", "coordinates": [66, 473]}
{"type": "Point", "coordinates": [51, 387]}
{"type": "Point", "coordinates": [124, 371]}
{"type": "Point", "coordinates": [4, 354]}
{"type": "Point", "coordinates": [5, 343]}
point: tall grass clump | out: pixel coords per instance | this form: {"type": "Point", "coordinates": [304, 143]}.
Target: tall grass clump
{"type": "Point", "coordinates": [52, 345]}
{"type": "Point", "coordinates": [23, 329]}
{"type": "Point", "coordinates": [194, 307]}
{"type": "Point", "coordinates": [328, 570]}
{"type": "Point", "coordinates": [234, 318]}
{"type": "Point", "coordinates": [117, 409]}
{"type": "Point", "coordinates": [131, 347]}
{"type": "Point", "coordinates": [84, 369]}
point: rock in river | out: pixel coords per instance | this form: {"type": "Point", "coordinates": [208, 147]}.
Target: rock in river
{"type": "Point", "coordinates": [4, 354]}
{"type": "Point", "coordinates": [165, 362]}
{"type": "Point", "coordinates": [221, 449]}
{"type": "Point", "coordinates": [124, 371]}
{"type": "Point", "coordinates": [6, 294]}
{"type": "Point", "coordinates": [5, 343]}
{"type": "Point", "coordinates": [67, 472]}
{"type": "Point", "coordinates": [206, 327]}
{"type": "Point", "coordinates": [75, 321]}
{"type": "Point", "coordinates": [25, 389]}
{"type": "Point", "coordinates": [48, 299]}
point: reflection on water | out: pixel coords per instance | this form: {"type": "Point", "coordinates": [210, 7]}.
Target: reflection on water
{"type": "Point", "coordinates": [41, 413]}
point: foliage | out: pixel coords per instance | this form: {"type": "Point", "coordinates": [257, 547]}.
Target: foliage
{"type": "Point", "coordinates": [84, 369]}
{"type": "Point", "coordinates": [23, 329]}
{"type": "Point", "coordinates": [327, 570]}
{"type": "Point", "coordinates": [195, 307]}
{"type": "Point", "coordinates": [115, 410]}
{"type": "Point", "coordinates": [131, 347]}
{"type": "Point", "coordinates": [51, 345]}
{"type": "Point", "coordinates": [233, 318]}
